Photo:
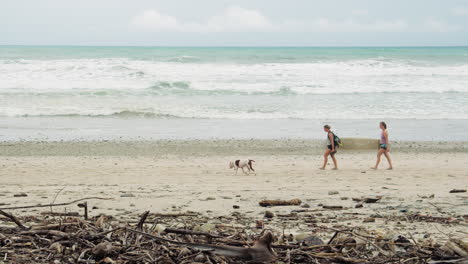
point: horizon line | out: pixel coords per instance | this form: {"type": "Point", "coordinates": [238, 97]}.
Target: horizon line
{"type": "Point", "coordinates": [239, 46]}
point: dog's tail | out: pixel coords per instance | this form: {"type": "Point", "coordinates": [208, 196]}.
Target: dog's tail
{"type": "Point", "coordinates": [250, 164]}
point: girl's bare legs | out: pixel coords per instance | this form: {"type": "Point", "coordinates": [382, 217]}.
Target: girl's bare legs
{"type": "Point", "coordinates": [325, 159]}
{"type": "Point", "coordinates": [387, 155]}
{"type": "Point", "coordinates": [379, 154]}
{"type": "Point", "coordinates": [334, 162]}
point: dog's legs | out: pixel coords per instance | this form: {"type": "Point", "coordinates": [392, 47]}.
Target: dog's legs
{"type": "Point", "coordinates": [236, 171]}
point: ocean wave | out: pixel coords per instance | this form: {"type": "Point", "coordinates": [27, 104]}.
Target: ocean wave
{"type": "Point", "coordinates": [123, 114]}
{"type": "Point", "coordinates": [183, 89]}
{"type": "Point", "coordinates": [325, 77]}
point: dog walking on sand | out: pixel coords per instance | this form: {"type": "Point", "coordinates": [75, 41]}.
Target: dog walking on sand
{"type": "Point", "coordinates": [242, 164]}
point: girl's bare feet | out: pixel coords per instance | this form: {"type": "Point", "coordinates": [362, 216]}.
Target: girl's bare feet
{"type": "Point", "coordinates": [374, 168]}
{"type": "Point", "coordinates": [335, 168]}
{"type": "Point", "coordinates": [390, 168]}
{"type": "Point", "coordinates": [321, 168]}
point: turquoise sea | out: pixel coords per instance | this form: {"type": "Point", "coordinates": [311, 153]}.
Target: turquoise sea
{"type": "Point", "coordinates": [219, 86]}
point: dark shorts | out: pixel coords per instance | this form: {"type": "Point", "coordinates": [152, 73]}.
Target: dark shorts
{"type": "Point", "coordinates": [383, 146]}
{"type": "Point", "coordinates": [330, 148]}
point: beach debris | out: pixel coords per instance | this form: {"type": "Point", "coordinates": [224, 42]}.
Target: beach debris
{"type": "Point", "coordinates": [259, 224]}
{"type": "Point", "coordinates": [84, 205]}
{"type": "Point", "coordinates": [189, 237]}
{"type": "Point", "coordinates": [312, 241]}
{"type": "Point", "coordinates": [20, 195]}
{"type": "Point", "coordinates": [368, 220]}
{"type": "Point", "coordinates": [267, 203]}
{"type": "Point", "coordinates": [205, 227]}
{"type": "Point", "coordinates": [333, 192]}
{"type": "Point", "coordinates": [104, 249]}
{"type": "Point", "coordinates": [457, 191]}
{"type": "Point", "coordinates": [368, 199]}
{"type": "Point", "coordinates": [127, 195]}
{"type": "Point", "coordinates": [269, 214]}
{"type": "Point", "coordinates": [359, 205]}
{"type": "Point", "coordinates": [236, 206]}
{"type": "Point", "coordinates": [332, 207]}
{"type": "Point", "coordinates": [13, 219]}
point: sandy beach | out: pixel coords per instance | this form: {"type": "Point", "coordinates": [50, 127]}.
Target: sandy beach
{"type": "Point", "coordinates": [180, 176]}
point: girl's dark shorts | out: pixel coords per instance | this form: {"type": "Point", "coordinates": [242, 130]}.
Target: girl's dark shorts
{"type": "Point", "coordinates": [383, 146]}
{"type": "Point", "coordinates": [330, 148]}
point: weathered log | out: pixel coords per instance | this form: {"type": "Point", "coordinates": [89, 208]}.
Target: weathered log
{"type": "Point", "coordinates": [14, 219]}
{"type": "Point", "coordinates": [261, 251]}
{"type": "Point", "coordinates": [265, 203]}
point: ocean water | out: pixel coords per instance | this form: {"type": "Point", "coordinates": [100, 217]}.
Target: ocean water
{"type": "Point", "coordinates": [285, 85]}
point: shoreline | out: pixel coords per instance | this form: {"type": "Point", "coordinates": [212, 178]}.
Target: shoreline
{"type": "Point", "coordinates": [149, 129]}
{"type": "Point", "coordinates": [217, 147]}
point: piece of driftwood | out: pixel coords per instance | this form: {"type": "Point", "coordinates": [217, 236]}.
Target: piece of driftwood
{"type": "Point", "coordinates": [261, 251]}
{"type": "Point", "coordinates": [104, 249]}
{"type": "Point", "coordinates": [332, 207]}
{"type": "Point", "coordinates": [174, 214]}
{"type": "Point", "coordinates": [84, 205]}
{"type": "Point", "coordinates": [53, 205]}
{"type": "Point", "coordinates": [267, 203]}
{"type": "Point", "coordinates": [14, 219]}
{"type": "Point", "coordinates": [54, 233]}
{"type": "Point", "coordinates": [54, 226]}
{"type": "Point", "coordinates": [458, 191]}
{"type": "Point", "coordinates": [368, 199]}
{"type": "Point", "coordinates": [142, 220]}
{"type": "Point", "coordinates": [60, 213]}
{"type": "Point", "coordinates": [456, 248]}
{"type": "Point", "coordinates": [189, 232]}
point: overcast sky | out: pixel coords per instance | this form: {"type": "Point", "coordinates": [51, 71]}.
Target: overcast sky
{"type": "Point", "coordinates": [235, 23]}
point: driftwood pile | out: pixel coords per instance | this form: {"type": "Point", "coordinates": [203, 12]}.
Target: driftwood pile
{"type": "Point", "coordinates": [155, 238]}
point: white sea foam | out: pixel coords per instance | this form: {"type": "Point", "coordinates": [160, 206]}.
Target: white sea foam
{"type": "Point", "coordinates": [359, 76]}
{"type": "Point", "coordinates": [367, 88]}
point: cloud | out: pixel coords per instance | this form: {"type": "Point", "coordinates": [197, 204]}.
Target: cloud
{"type": "Point", "coordinates": [152, 19]}
{"type": "Point", "coordinates": [233, 19]}
{"type": "Point", "coordinates": [460, 11]}
{"type": "Point", "coordinates": [359, 12]}
{"type": "Point", "coordinates": [237, 19]}
{"type": "Point", "coordinates": [351, 25]}
{"type": "Point", "coordinates": [434, 25]}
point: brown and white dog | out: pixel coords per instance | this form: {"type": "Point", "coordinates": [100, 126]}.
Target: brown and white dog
{"type": "Point", "coordinates": [242, 164]}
